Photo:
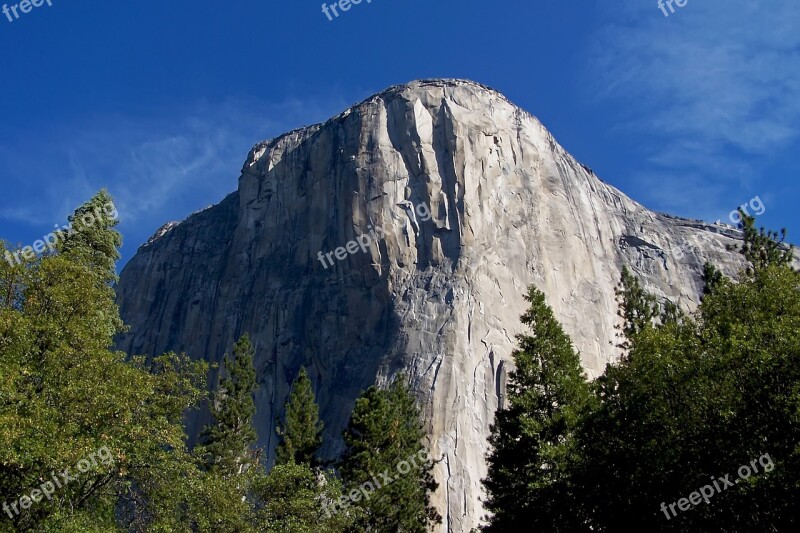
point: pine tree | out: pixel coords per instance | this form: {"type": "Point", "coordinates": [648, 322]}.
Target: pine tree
{"type": "Point", "coordinates": [89, 241]}
{"type": "Point", "coordinates": [65, 394]}
{"type": "Point", "coordinates": [645, 415]}
{"type": "Point", "coordinates": [531, 440]}
{"type": "Point", "coordinates": [712, 277]}
{"type": "Point", "coordinates": [385, 457]}
{"type": "Point", "coordinates": [227, 445]}
{"type": "Point", "coordinates": [761, 247]}
{"type": "Point", "coordinates": [696, 400]}
{"type": "Point", "coordinates": [637, 308]}
{"type": "Point", "coordinates": [300, 434]}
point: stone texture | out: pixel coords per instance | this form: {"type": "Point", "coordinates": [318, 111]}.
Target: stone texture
{"type": "Point", "coordinates": [439, 298]}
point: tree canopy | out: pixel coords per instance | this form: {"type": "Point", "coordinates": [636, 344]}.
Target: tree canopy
{"type": "Point", "coordinates": [695, 398]}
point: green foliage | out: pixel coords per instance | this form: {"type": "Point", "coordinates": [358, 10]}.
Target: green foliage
{"type": "Point", "coordinates": [532, 440]}
{"type": "Point", "coordinates": [211, 503]}
{"type": "Point", "coordinates": [762, 248]}
{"type": "Point", "coordinates": [91, 244]}
{"type": "Point", "coordinates": [637, 307]}
{"type": "Point", "coordinates": [695, 398]}
{"type": "Point", "coordinates": [227, 445]}
{"type": "Point", "coordinates": [385, 430]}
{"type": "Point", "coordinates": [64, 394]}
{"type": "Point", "coordinates": [301, 433]}
{"type": "Point", "coordinates": [712, 277]}
{"type": "Point", "coordinates": [295, 498]}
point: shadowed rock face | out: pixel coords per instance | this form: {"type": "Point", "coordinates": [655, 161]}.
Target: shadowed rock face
{"type": "Point", "coordinates": [468, 200]}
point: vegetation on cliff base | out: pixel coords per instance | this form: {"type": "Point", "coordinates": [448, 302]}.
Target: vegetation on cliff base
{"type": "Point", "coordinates": [694, 400]}
{"type": "Point", "coordinates": [93, 440]}
{"type": "Point", "coordinates": [385, 433]}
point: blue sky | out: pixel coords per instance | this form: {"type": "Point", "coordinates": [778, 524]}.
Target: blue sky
{"type": "Point", "coordinates": [691, 114]}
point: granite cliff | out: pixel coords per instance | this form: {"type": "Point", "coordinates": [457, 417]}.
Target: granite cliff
{"type": "Point", "coordinates": [469, 199]}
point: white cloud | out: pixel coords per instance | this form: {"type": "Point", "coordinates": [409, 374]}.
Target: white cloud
{"type": "Point", "coordinates": [715, 84]}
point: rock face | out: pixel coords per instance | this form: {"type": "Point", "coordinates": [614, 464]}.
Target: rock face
{"type": "Point", "coordinates": [460, 200]}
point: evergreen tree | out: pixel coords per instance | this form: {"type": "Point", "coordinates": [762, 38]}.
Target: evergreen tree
{"type": "Point", "coordinates": [89, 241]}
{"type": "Point", "coordinates": [65, 394]}
{"type": "Point", "coordinates": [696, 400]}
{"type": "Point", "coordinates": [637, 308]}
{"type": "Point", "coordinates": [227, 445]}
{"type": "Point", "coordinates": [712, 277]}
{"type": "Point", "coordinates": [531, 440]}
{"type": "Point", "coordinates": [301, 433]}
{"type": "Point", "coordinates": [384, 442]}
{"type": "Point", "coordinates": [761, 247]}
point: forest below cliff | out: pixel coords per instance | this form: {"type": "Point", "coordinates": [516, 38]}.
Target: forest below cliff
{"type": "Point", "coordinates": [695, 428]}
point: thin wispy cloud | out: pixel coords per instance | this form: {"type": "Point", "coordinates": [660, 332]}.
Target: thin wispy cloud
{"type": "Point", "coordinates": [714, 86]}
{"type": "Point", "coordinates": [158, 166]}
